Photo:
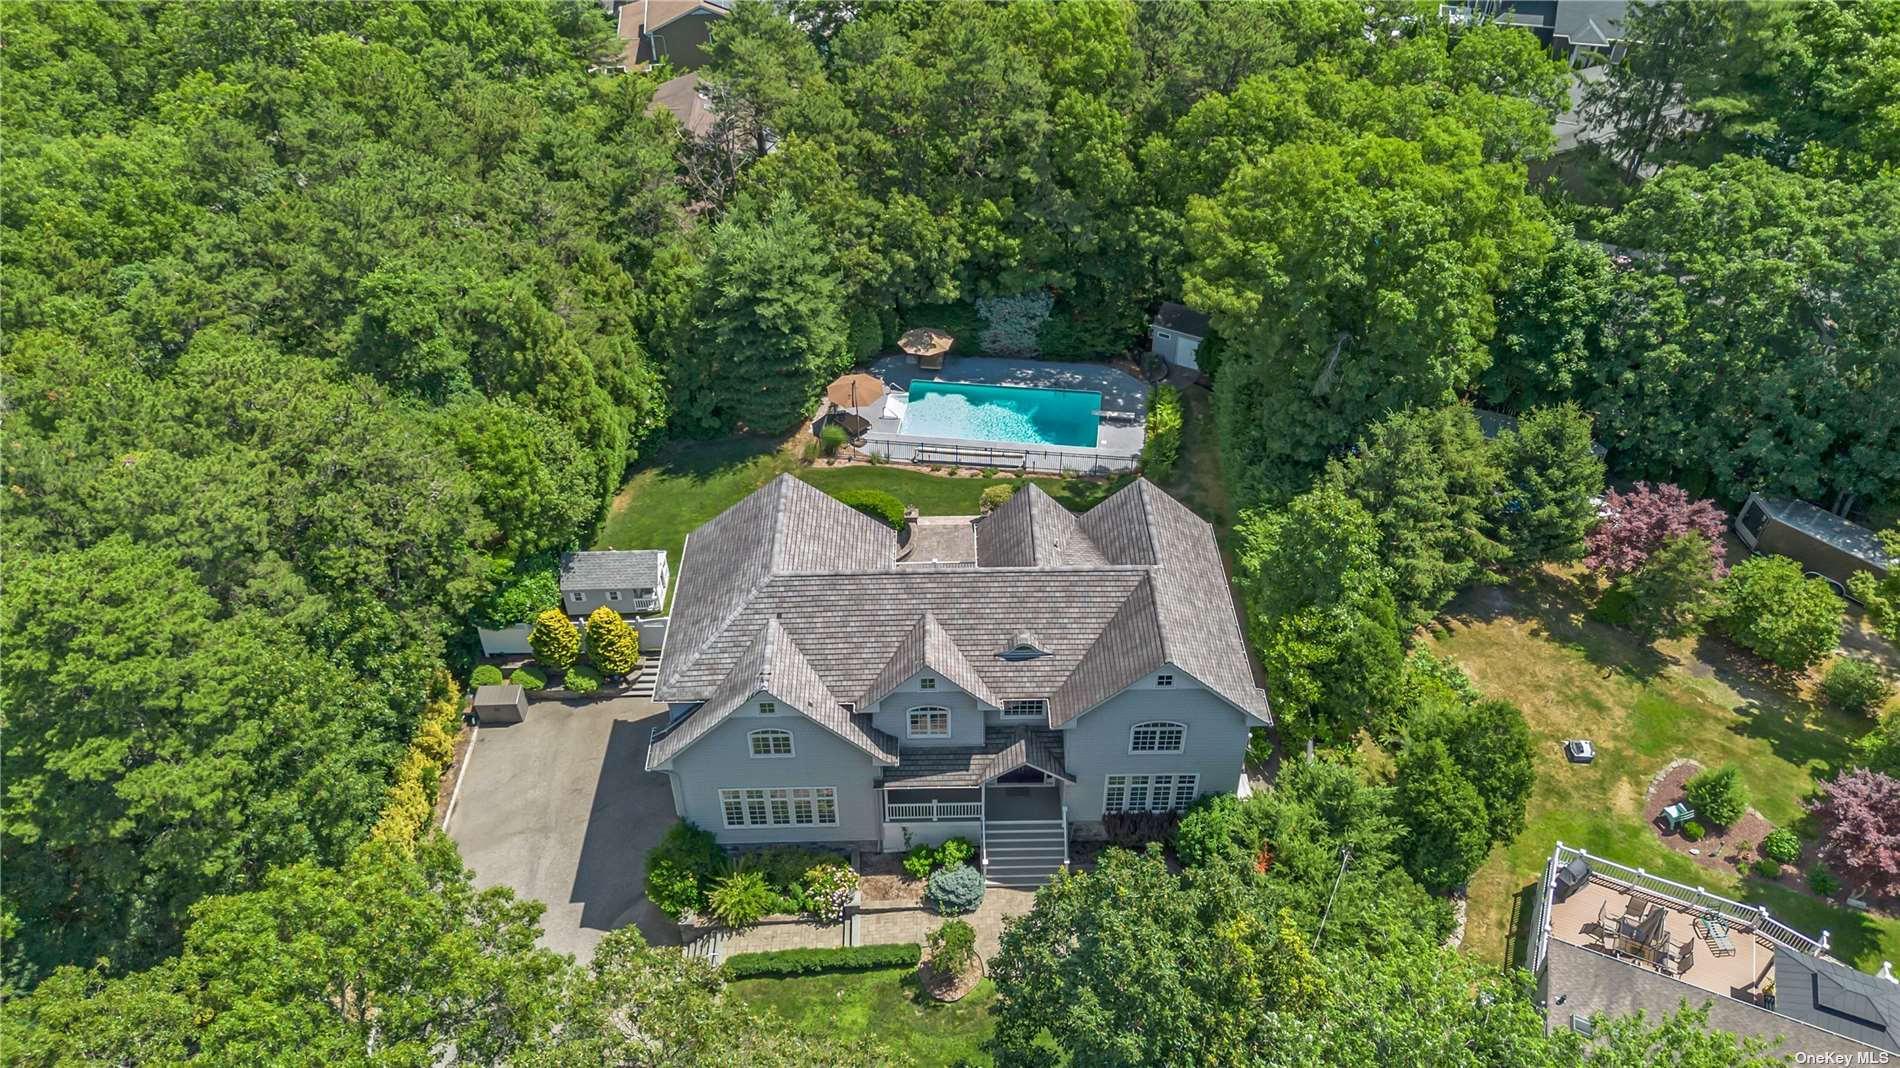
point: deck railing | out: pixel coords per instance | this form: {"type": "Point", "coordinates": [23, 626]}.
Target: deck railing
{"type": "Point", "coordinates": [932, 811]}
{"type": "Point", "coordinates": [1688, 898]}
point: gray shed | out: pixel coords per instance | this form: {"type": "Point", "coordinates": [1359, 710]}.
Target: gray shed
{"type": "Point", "coordinates": [1177, 333]}
{"type": "Point", "coordinates": [500, 704]}
{"type": "Point", "coordinates": [1821, 542]}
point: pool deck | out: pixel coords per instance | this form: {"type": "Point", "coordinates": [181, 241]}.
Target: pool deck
{"type": "Point", "coordinates": [1117, 442]}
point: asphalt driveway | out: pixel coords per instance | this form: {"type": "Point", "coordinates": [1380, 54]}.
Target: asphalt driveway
{"type": "Point", "coordinates": [560, 808]}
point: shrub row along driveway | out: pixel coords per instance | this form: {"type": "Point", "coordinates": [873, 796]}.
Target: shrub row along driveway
{"type": "Point", "coordinates": [561, 809]}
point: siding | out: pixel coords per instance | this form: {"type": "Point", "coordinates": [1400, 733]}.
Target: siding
{"type": "Point", "coordinates": [1095, 745]}
{"type": "Point", "coordinates": [892, 715]}
{"type": "Point", "coordinates": [723, 760]}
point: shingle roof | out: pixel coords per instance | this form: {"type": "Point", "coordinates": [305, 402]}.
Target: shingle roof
{"type": "Point", "coordinates": [1135, 583]}
{"type": "Point", "coordinates": [928, 646]}
{"type": "Point", "coordinates": [1182, 319]}
{"type": "Point", "coordinates": [1032, 530]}
{"type": "Point", "coordinates": [1004, 750]}
{"type": "Point", "coordinates": [612, 569]}
{"type": "Point", "coordinates": [497, 695]}
{"type": "Point", "coordinates": [1837, 998]}
{"type": "Point", "coordinates": [775, 666]}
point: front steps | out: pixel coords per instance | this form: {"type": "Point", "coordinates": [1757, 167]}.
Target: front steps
{"type": "Point", "coordinates": [1023, 853]}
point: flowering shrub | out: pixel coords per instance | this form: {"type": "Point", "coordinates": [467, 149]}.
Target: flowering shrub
{"type": "Point", "coordinates": [1637, 523]}
{"type": "Point", "coordinates": [828, 889]}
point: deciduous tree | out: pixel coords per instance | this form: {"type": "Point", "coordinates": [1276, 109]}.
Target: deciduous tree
{"type": "Point", "coordinates": [1860, 827]}
{"type": "Point", "coordinates": [1770, 606]}
{"type": "Point", "coordinates": [1640, 522]}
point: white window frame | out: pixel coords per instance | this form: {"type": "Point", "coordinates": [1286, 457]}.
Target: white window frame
{"type": "Point", "coordinates": [927, 683]}
{"type": "Point", "coordinates": [779, 806]}
{"type": "Point", "coordinates": [1037, 708]}
{"type": "Point", "coordinates": [613, 595]}
{"type": "Point", "coordinates": [774, 733]}
{"type": "Point", "coordinates": [1166, 678]}
{"type": "Point", "coordinates": [768, 708]}
{"type": "Point", "coordinates": [1156, 728]}
{"type": "Point", "coordinates": [1149, 792]}
{"type": "Point", "coordinates": [910, 721]}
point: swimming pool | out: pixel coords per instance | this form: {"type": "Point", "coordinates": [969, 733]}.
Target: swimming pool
{"type": "Point", "coordinates": [1025, 414]}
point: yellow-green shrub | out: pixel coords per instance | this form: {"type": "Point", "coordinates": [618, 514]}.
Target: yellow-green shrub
{"type": "Point", "coordinates": [411, 805]}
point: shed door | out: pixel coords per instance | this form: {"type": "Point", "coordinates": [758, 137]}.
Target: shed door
{"type": "Point", "coordinates": [1749, 524]}
{"type": "Point", "coordinates": [1185, 349]}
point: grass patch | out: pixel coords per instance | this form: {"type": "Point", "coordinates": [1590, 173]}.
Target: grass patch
{"type": "Point", "coordinates": [884, 1006]}
{"type": "Point", "coordinates": [1574, 677]}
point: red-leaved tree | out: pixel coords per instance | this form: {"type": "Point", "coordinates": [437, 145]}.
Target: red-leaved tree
{"type": "Point", "coordinates": [1860, 826]}
{"type": "Point", "coordinates": [1637, 523]}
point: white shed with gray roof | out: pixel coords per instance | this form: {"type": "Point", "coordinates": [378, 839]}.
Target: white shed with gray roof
{"type": "Point", "coordinates": [630, 581]}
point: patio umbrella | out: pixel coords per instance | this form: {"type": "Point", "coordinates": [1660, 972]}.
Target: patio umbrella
{"type": "Point", "coordinates": [855, 390]}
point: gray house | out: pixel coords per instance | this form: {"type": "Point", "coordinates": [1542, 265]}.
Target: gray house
{"type": "Point", "coordinates": [631, 581]}
{"type": "Point", "coordinates": [822, 690]}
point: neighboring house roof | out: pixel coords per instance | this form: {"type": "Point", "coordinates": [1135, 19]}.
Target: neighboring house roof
{"type": "Point", "coordinates": [685, 98]}
{"type": "Point", "coordinates": [637, 18]}
{"type": "Point", "coordinates": [1132, 585]}
{"type": "Point", "coordinates": [777, 667]}
{"type": "Point", "coordinates": [1823, 525]}
{"type": "Point", "coordinates": [612, 569]}
{"type": "Point", "coordinates": [1836, 998]}
{"type": "Point", "coordinates": [1593, 23]}
{"type": "Point", "coordinates": [1182, 320]}
{"type": "Point", "coordinates": [1004, 749]}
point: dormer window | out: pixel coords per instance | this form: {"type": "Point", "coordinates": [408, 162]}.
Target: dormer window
{"type": "Point", "coordinates": [1037, 709]}
{"type": "Point", "coordinates": [1023, 646]}
{"type": "Point", "coordinates": [926, 683]}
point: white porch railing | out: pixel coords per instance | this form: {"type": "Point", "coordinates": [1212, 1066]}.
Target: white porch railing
{"type": "Point", "coordinates": [932, 811]}
{"type": "Point", "coordinates": [1691, 898]}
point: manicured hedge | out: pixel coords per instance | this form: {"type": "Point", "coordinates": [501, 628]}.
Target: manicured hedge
{"type": "Point", "coordinates": [877, 504]}
{"type": "Point", "coordinates": [789, 962]}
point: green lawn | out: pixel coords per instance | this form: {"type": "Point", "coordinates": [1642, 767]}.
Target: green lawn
{"type": "Point", "coordinates": [1576, 678]}
{"type": "Point", "coordinates": [884, 1006]}
{"type": "Point", "coordinates": [683, 487]}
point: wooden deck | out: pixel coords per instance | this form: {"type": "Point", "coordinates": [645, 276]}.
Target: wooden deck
{"type": "Point", "coordinates": [1740, 976]}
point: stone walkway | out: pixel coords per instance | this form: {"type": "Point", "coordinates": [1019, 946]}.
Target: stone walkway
{"type": "Point", "coordinates": [913, 925]}
{"type": "Point", "coordinates": [876, 927]}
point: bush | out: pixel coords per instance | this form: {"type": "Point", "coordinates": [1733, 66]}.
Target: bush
{"type": "Point", "coordinates": [612, 644]}
{"type": "Point", "coordinates": [522, 591]}
{"type": "Point", "coordinates": [1718, 796]}
{"type": "Point", "coordinates": [828, 888]}
{"type": "Point", "coordinates": [790, 962]}
{"type": "Point", "coordinates": [672, 889]}
{"type": "Point", "coordinates": [582, 679]}
{"type": "Point", "coordinates": [741, 899]}
{"type": "Point", "coordinates": [831, 439]}
{"type": "Point", "coordinates": [686, 855]}
{"type": "Point", "coordinates": [1132, 829]}
{"type": "Point", "coordinates": [529, 677]}
{"type": "Point", "coordinates": [995, 497]}
{"type": "Point", "coordinates": [485, 675]}
{"type": "Point", "coordinates": [920, 861]}
{"type": "Point", "coordinates": [959, 319]}
{"type": "Point", "coordinates": [1013, 325]}
{"type": "Point", "coordinates": [554, 640]}
{"type": "Point", "coordinates": [955, 891]}
{"type": "Point", "coordinates": [1789, 620]}
{"type": "Point", "coordinates": [877, 504]}
{"type": "Point", "coordinates": [865, 335]}
{"type": "Point", "coordinates": [785, 866]}
{"type": "Point", "coordinates": [1782, 846]}
{"type": "Point", "coordinates": [954, 852]}
{"type": "Point", "coordinates": [1163, 446]}
{"type": "Point", "coordinates": [952, 947]}
{"type": "Point", "coordinates": [1857, 687]}
{"type": "Point", "coordinates": [1671, 593]}
{"type": "Point", "coordinates": [1210, 831]}
{"type": "Point", "coordinates": [1767, 869]}
{"type": "Point", "coordinates": [1693, 831]}
{"type": "Point", "coordinates": [1823, 882]}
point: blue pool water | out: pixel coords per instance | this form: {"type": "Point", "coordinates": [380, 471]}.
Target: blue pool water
{"type": "Point", "coordinates": [1024, 414]}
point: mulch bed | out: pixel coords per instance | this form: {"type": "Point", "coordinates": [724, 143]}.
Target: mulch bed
{"type": "Point", "coordinates": [883, 880]}
{"type": "Point", "coordinates": [445, 786]}
{"type": "Point", "coordinates": [1727, 849]}
{"type": "Point", "coordinates": [949, 987]}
